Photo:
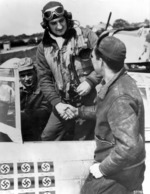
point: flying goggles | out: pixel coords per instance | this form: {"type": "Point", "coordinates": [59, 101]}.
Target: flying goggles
{"type": "Point", "coordinates": [58, 11]}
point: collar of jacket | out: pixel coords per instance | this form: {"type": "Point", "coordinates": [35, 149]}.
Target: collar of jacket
{"type": "Point", "coordinates": [34, 90]}
{"type": "Point", "coordinates": [49, 41]}
{"type": "Point", "coordinates": [104, 88]}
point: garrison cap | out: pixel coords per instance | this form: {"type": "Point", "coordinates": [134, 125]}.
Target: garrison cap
{"type": "Point", "coordinates": [112, 48]}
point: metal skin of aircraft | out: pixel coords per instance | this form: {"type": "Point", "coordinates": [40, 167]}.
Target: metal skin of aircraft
{"type": "Point", "coordinates": [50, 167]}
{"type": "Point", "coordinates": [135, 41]}
{"type": "Point", "coordinates": [37, 167]}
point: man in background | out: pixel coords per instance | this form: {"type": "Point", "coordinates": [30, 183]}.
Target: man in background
{"type": "Point", "coordinates": [35, 109]}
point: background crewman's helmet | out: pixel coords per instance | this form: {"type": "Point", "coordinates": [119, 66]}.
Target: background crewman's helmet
{"type": "Point", "coordinates": [25, 64]}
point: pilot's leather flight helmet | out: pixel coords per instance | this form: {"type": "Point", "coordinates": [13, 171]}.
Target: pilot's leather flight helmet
{"type": "Point", "coordinates": [25, 64]}
{"type": "Point", "coordinates": [53, 10]}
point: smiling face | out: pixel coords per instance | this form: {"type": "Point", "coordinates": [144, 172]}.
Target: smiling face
{"type": "Point", "coordinates": [58, 26]}
{"type": "Point", "coordinates": [27, 78]}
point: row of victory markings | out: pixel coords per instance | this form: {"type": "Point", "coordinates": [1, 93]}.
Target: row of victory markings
{"type": "Point", "coordinates": [27, 183]}
{"type": "Point", "coordinates": [26, 167]}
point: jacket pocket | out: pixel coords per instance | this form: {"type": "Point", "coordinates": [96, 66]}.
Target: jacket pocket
{"type": "Point", "coordinates": [104, 141]}
{"type": "Point", "coordinates": [103, 149]}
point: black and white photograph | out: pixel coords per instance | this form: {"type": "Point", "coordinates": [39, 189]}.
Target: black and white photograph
{"type": "Point", "coordinates": [74, 96]}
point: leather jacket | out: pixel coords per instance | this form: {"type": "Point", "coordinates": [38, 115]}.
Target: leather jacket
{"type": "Point", "coordinates": [34, 100]}
{"type": "Point", "coordinates": [119, 131]}
{"type": "Point", "coordinates": [49, 65]}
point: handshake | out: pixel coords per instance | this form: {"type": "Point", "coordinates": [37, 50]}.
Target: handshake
{"type": "Point", "coordinates": [67, 111]}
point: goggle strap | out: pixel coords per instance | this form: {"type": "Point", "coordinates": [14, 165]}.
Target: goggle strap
{"type": "Point", "coordinates": [52, 9]}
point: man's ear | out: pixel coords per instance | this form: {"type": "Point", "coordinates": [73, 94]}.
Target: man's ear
{"type": "Point", "coordinates": [102, 62]}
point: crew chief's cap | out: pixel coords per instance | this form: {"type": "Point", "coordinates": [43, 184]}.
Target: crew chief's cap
{"type": "Point", "coordinates": [112, 48]}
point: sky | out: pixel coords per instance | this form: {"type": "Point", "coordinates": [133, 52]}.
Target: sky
{"type": "Point", "coordinates": [24, 16]}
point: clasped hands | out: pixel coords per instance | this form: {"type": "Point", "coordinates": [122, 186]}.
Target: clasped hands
{"type": "Point", "coordinates": [67, 111]}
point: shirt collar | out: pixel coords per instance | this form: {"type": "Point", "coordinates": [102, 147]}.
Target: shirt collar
{"type": "Point", "coordinates": [59, 40]}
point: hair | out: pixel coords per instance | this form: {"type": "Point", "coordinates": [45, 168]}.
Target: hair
{"type": "Point", "coordinates": [115, 66]}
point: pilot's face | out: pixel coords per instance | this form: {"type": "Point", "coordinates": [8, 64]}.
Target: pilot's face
{"type": "Point", "coordinates": [58, 26]}
{"type": "Point", "coordinates": [27, 78]}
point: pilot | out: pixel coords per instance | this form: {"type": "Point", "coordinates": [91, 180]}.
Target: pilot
{"type": "Point", "coordinates": [65, 72]}
{"type": "Point", "coordinates": [35, 109]}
